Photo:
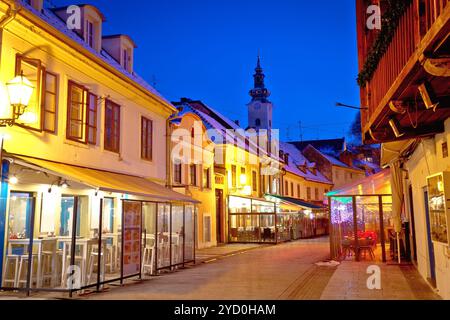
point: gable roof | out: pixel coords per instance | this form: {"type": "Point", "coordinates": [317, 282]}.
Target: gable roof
{"type": "Point", "coordinates": [334, 161]}
{"type": "Point", "coordinates": [331, 147]}
{"type": "Point", "coordinates": [296, 159]}
{"type": "Point", "coordinates": [220, 124]}
{"type": "Point", "coordinates": [53, 20]}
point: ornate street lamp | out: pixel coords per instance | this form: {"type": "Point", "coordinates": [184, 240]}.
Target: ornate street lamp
{"type": "Point", "coordinates": [20, 91]}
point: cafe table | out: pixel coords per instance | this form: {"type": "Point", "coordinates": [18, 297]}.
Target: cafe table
{"type": "Point", "coordinates": [85, 244]}
{"type": "Point", "coordinates": [39, 243]}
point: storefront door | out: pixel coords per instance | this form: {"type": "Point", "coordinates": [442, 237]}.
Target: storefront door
{"type": "Point", "coordinates": [219, 216]}
{"type": "Point", "coordinates": [132, 233]}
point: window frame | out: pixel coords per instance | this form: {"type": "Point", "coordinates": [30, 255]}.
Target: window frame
{"type": "Point", "coordinates": [90, 33]}
{"type": "Point", "coordinates": [44, 110]}
{"type": "Point", "coordinates": [40, 70]}
{"type": "Point", "coordinates": [193, 175]}
{"type": "Point", "coordinates": [254, 181]}
{"type": "Point", "coordinates": [177, 173]}
{"type": "Point", "coordinates": [125, 59]}
{"type": "Point", "coordinates": [145, 143]}
{"type": "Point", "coordinates": [234, 176]}
{"type": "Point", "coordinates": [85, 92]}
{"type": "Point", "coordinates": [111, 146]}
{"type": "Point", "coordinates": [88, 118]}
{"type": "Point", "coordinates": [207, 175]}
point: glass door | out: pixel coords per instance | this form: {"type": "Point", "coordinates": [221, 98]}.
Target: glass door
{"type": "Point", "coordinates": [19, 236]}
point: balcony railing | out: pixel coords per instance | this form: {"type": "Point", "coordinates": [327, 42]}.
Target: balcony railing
{"type": "Point", "coordinates": [417, 20]}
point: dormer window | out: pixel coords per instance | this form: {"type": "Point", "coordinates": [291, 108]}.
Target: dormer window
{"type": "Point", "coordinates": [36, 4]}
{"type": "Point", "coordinates": [126, 59]}
{"type": "Point", "coordinates": [121, 48]}
{"type": "Point", "coordinates": [90, 27]}
{"type": "Point", "coordinates": [90, 33]}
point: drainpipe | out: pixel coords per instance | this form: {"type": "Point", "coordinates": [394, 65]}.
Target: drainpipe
{"type": "Point", "coordinates": [168, 152]}
{"type": "Point", "coordinates": [169, 130]}
{"type": "Point", "coordinates": [13, 9]}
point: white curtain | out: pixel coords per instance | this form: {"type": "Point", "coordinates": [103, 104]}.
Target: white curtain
{"type": "Point", "coordinates": [397, 194]}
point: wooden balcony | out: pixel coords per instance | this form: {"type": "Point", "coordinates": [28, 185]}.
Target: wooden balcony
{"type": "Point", "coordinates": [418, 54]}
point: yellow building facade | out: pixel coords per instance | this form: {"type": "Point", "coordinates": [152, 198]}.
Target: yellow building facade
{"type": "Point", "coordinates": [84, 168]}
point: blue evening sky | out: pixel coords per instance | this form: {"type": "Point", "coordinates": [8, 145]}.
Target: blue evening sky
{"type": "Point", "coordinates": [206, 49]}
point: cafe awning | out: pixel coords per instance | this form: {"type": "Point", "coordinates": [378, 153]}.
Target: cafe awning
{"type": "Point", "coordinates": [377, 184]}
{"type": "Point", "coordinates": [391, 151]}
{"type": "Point", "coordinates": [300, 204]}
{"type": "Point", "coordinates": [106, 181]}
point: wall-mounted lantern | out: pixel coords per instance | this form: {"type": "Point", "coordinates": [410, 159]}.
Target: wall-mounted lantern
{"type": "Point", "coordinates": [20, 91]}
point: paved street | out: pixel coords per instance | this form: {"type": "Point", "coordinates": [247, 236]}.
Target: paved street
{"type": "Point", "coordinates": [286, 271]}
{"type": "Point", "coordinates": [283, 272]}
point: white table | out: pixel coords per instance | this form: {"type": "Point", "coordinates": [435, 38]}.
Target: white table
{"type": "Point", "coordinates": [67, 245]}
{"type": "Point", "coordinates": [39, 243]}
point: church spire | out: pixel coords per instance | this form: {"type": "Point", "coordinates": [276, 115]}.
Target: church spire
{"type": "Point", "coordinates": [259, 92]}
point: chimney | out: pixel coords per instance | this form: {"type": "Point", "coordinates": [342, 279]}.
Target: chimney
{"type": "Point", "coordinates": [347, 158]}
{"type": "Point", "coordinates": [185, 100]}
{"type": "Point", "coordinates": [37, 4]}
{"type": "Point", "coordinates": [313, 168]}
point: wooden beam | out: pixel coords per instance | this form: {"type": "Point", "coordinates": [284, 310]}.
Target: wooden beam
{"type": "Point", "coordinates": [386, 134]}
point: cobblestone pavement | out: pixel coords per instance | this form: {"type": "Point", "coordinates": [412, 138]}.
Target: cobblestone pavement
{"type": "Point", "coordinates": [265, 273]}
{"type": "Point", "coordinates": [282, 272]}
{"type": "Point", "coordinates": [349, 282]}
{"type": "Point", "coordinates": [215, 253]}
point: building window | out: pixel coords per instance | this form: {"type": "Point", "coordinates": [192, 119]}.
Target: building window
{"type": "Point", "coordinates": [112, 126]}
{"type": "Point", "coordinates": [50, 102]}
{"type": "Point", "coordinates": [308, 193]}
{"type": "Point", "coordinates": [243, 177]}
{"type": "Point", "coordinates": [193, 174]}
{"type": "Point", "coordinates": [192, 132]}
{"type": "Point", "coordinates": [207, 178]}
{"type": "Point", "coordinates": [263, 183]}
{"type": "Point", "coordinates": [125, 59]}
{"type": "Point", "coordinates": [286, 188]}
{"type": "Point", "coordinates": [92, 119]}
{"type": "Point", "coordinates": [316, 193]}
{"type": "Point", "coordinates": [254, 182]}
{"type": "Point", "coordinates": [292, 189]}
{"type": "Point", "coordinates": [34, 72]}
{"type": "Point", "coordinates": [258, 122]}
{"type": "Point", "coordinates": [445, 150]}
{"type": "Point", "coordinates": [77, 96]}
{"type": "Point", "coordinates": [90, 34]}
{"type": "Point", "coordinates": [233, 176]}
{"type": "Point", "coordinates": [177, 169]}
{"type": "Point", "coordinates": [298, 191]}
{"type": "Point", "coordinates": [147, 139]}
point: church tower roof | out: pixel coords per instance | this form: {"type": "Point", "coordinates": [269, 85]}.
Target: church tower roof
{"type": "Point", "coordinates": [259, 91]}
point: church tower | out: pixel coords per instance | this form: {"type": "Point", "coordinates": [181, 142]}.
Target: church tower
{"type": "Point", "coordinates": [260, 108]}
